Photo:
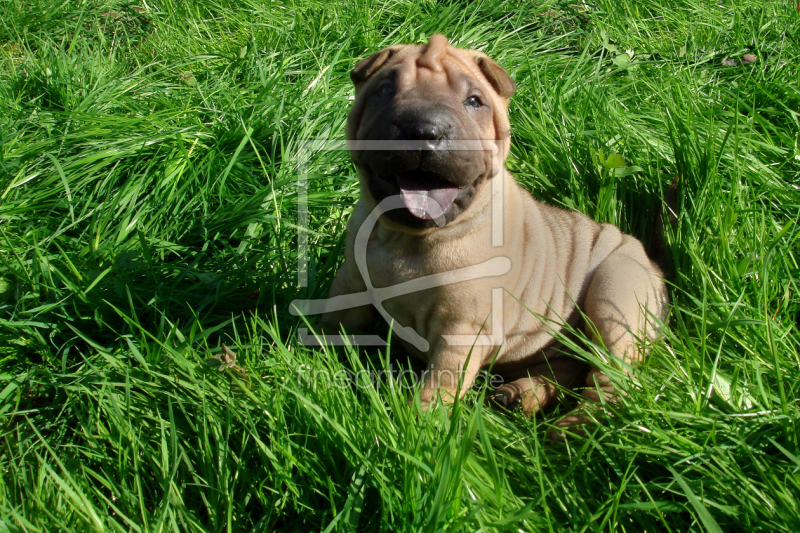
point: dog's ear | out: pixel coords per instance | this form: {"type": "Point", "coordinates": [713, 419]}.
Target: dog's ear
{"type": "Point", "coordinates": [370, 65]}
{"type": "Point", "coordinates": [497, 77]}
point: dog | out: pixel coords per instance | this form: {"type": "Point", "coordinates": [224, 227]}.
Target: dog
{"type": "Point", "coordinates": [429, 134]}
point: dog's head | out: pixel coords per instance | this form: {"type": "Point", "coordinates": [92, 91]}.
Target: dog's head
{"type": "Point", "coordinates": [439, 114]}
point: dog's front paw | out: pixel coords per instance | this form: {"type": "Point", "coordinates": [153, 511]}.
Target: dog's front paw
{"type": "Point", "coordinates": [532, 393]}
{"type": "Point", "coordinates": [503, 399]}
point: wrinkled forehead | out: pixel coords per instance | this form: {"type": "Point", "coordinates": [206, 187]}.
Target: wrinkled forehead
{"type": "Point", "coordinates": [415, 66]}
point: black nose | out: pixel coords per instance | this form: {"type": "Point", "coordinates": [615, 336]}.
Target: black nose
{"type": "Point", "coordinates": [425, 131]}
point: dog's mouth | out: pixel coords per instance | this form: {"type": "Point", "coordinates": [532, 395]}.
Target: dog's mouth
{"type": "Point", "coordinates": [418, 188]}
{"type": "Point", "coordinates": [426, 196]}
{"type": "Point", "coordinates": [430, 199]}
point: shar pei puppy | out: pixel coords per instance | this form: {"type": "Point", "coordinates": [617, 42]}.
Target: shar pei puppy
{"type": "Point", "coordinates": [470, 269]}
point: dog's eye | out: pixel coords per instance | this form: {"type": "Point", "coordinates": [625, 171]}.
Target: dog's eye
{"type": "Point", "coordinates": [385, 90]}
{"type": "Point", "coordinates": [473, 101]}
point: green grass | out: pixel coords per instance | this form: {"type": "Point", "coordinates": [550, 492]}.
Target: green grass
{"type": "Point", "coordinates": [149, 155]}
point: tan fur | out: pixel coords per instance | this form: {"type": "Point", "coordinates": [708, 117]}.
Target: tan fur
{"type": "Point", "coordinates": [558, 258]}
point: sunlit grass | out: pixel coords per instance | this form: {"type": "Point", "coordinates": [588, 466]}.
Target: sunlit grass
{"type": "Point", "coordinates": [149, 157]}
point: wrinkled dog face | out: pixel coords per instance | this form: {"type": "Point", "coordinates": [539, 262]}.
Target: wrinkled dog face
{"type": "Point", "coordinates": [440, 105]}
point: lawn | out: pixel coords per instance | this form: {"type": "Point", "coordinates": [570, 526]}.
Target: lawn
{"type": "Point", "coordinates": [152, 170]}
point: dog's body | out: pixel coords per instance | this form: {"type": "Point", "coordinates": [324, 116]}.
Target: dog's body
{"type": "Point", "coordinates": [559, 260]}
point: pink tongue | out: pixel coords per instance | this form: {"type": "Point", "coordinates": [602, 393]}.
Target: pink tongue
{"type": "Point", "coordinates": [417, 198]}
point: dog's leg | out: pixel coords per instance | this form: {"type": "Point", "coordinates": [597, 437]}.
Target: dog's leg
{"type": "Point", "coordinates": [348, 281]}
{"type": "Point", "coordinates": [623, 300]}
{"type": "Point", "coordinates": [535, 387]}
{"type": "Point", "coordinates": [450, 375]}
